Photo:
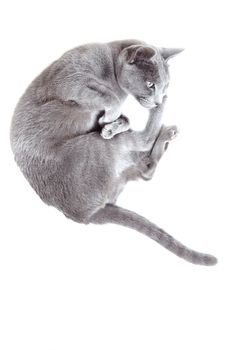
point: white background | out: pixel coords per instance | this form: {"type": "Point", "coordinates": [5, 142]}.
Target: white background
{"type": "Point", "coordinates": [67, 286]}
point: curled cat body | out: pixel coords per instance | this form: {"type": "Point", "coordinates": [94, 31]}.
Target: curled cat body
{"type": "Point", "coordinates": [56, 140]}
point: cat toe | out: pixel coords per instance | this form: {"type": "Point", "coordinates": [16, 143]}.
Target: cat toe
{"type": "Point", "coordinates": [107, 133]}
{"type": "Point", "coordinates": [174, 132]}
{"type": "Point", "coordinates": [171, 132]}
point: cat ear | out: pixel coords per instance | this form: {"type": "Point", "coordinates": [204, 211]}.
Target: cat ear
{"type": "Point", "coordinates": [140, 53]}
{"type": "Point", "coordinates": [169, 53]}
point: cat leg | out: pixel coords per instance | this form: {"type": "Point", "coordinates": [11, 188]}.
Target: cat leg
{"type": "Point", "coordinates": [142, 141]}
{"type": "Point", "coordinates": [167, 134]}
{"type": "Point", "coordinates": [118, 126]}
{"type": "Point", "coordinates": [96, 96]}
{"type": "Point", "coordinates": [113, 123]}
{"type": "Point", "coordinates": [110, 115]}
{"type": "Point", "coordinates": [93, 95]}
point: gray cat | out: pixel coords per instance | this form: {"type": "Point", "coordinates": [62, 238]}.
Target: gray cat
{"type": "Point", "coordinates": [55, 133]}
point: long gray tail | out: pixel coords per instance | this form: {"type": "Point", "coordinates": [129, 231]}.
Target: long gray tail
{"type": "Point", "coordinates": [117, 215]}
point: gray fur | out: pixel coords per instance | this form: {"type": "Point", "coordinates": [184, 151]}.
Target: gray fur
{"type": "Point", "coordinates": [56, 139]}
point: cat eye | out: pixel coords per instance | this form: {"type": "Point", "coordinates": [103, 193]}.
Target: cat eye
{"type": "Point", "coordinates": [150, 85]}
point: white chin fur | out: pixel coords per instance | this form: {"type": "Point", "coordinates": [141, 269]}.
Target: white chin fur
{"type": "Point", "coordinates": [147, 104]}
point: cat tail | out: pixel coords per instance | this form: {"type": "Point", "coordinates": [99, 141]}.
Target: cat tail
{"type": "Point", "coordinates": [117, 215]}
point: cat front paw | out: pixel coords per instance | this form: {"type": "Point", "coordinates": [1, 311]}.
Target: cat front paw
{"type": "Point", "coordinates": [110, 115]}
{"type": "Point", "coordinates": [107, 132]}
{"type": "Point", "coordinates": [114, 128]}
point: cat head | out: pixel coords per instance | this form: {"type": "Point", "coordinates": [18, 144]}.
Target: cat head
{"type": "Point", "coordinates": [144, 73]}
